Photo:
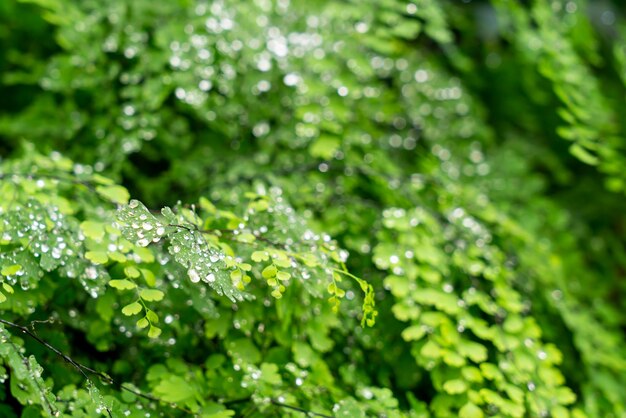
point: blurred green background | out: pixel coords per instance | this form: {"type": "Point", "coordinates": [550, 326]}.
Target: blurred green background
{"type": "Point", "coordinates": [470, 155]}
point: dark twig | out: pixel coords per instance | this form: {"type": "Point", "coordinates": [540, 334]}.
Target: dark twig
{"type": "Point", "coordinates": [53, 410]}
{"type": "Point", "coordinates": [81, 368]}
{"type": "Point", "coordinates": [304, 411]}
{"type": "Point", "coordinates": [84, 369]}
{"type": "Point", "coordinates": [78, 366]}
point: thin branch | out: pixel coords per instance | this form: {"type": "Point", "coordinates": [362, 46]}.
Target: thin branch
{"type": "Point", "coordinates": [233, 232]}
{"type": "Point", "coordinates": [83, 369]}
{"type": "Point", "coordinates": [53, 410]}
{"type": "Point", "coordinates": [304, 411]}
{"type": "Point", "coordinates": [78, 366]}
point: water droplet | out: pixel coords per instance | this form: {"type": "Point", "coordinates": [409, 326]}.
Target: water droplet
{"type": "Point", "coordinates": [193, 276]}
{"type": "Point", "coordinates": [367, 394]}
{"type": "Point", "coordinates": [56, 253]}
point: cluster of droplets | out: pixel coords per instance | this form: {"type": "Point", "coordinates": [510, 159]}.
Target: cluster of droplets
{"type": "Point", "coordinates": [203, 263]}
{"type": "Point", "coordinates": [49, 240]}
{"type": "Point", "coordinates": [139, 225]}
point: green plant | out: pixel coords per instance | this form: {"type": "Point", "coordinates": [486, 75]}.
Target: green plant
{"type": "Point", "coordinates": [340, 208]}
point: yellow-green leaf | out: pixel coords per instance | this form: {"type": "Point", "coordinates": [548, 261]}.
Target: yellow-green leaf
{"type": "Point", "coordinates": [93, 230]}
{"type": "Point", "coordinates": [97, 178]}
{"type": "Point", "coordinates": [246, 237]}
{"type": "Point", "coordinates": [116, 194]}
{"type": "Point", "coordinates": [207, 205]}
{"type": "Point", "coordinates": [324, 147]}
{"type": "Point", "coordinates": [8, 288]}
{"type": "Point", "coordinates": [122, 284]}
{"type": "Point", "coordinates": [152, 317]}
{"type": "Point", "coordinates": [236, 275]}
{"type": "Point", "coordinates": [470, 410]}
{"type": "Point", "coordinates": [152, 295]}
{"type": "Point", "coordinates": [283, 262]}
{"type": "Point", "coordinates": [132, 272]}
{"type": "Point", "coordinates": [131, 309]}
{"type": "Point", "coordinates": [154, 332]}
{"type": "Point", "coordinates": [455, 386]}
{"type": "Point", "coordinates": [117, 257]}
{"type": "Point", "coordinates": [259, 256]}
{"type": "Point", "coordinates": [97, 257]}
{"type": "Point", "coordinates": [148, 276]}
{"type": "Point", "coordinates": [269, 271]}
{"type": "Point", "coordinates": [11, 270]}
{"type": "Point", "coordinates": [413, 333]}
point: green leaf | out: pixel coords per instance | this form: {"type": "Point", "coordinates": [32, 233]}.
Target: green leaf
{"type": "Point", "coordinates": [408, 29]}
{"type": "Point", "coordinates": [413, 333]}
{"type": "Point", "coordinates": [269, 374]}
{"type": "Point", "coordinates": [246, 237]}
{"type": "Point", "coordinates": [154, 332]}
{"type": "Point", "coordinates": [226, 413]}
{"type": "Point", "coordinates": [117, 256]}
{"type": "Point", "coordinates": [431, 349]}
{"type": "Point", "coordinates": [349, 408]}
{"type": "Point", "coordinates": [132, 272]}
{"type": "Point", "coordinates": [131, 309]}
{"type": "Point", "coordinates": [3, 298]}
{"type": "Point", "coordinates": [283, 262]}
{"type": "Point", "coordinates": [269, 271]}
{"type": "Point", "coordinates": [244, 350]}
{"type": "Point", "coordinates": [259, 256]}
{"type": "Point", "coordinates": [455, 386]}
{"type": "Point", "coordinates": [152, 316]}
{"type": "Point", "coordinates": [331, 288]}
{"type": "Point", "coordinates": [93, 230]}
{"type": "Point", "coordinates": [324, 147]}
{"type": "Point", "coordinates": [97, 257]}
{"type": "Point", "coordinates": [8, 288]}
{"type": "Point", "coordinates": [475, 351]}
{"type": "Point", "coordinates": [470, 410]}
{"type": "Point", "coordinates": [149, 277]}
{"type": "Point", "coordinates": [116, 194]}
{"type": "Point", "coordinates": [173, 388]}
{"type": "Point", "coordinates": [207, 205]}
{"type": "Point", "coordinates": [152, 295]}
{"type": "Point", "coordinates": [142, 323]}
{"type": "Point", "coordinates": [11, 270]}
{"type": "Point", "coordinates": [559, 412]}
{"type": "Point", "coordinates": [583, 155]}
{"type": "Point", "coordinates": [122, 284]}
{"type": "Point", "coordinates": [236, 275]}
{"type": "Point", "coordinates": [303, 354]}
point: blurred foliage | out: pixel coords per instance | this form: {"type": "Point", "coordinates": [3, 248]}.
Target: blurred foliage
{"type": "Point", "coordinates": [344, 208]}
